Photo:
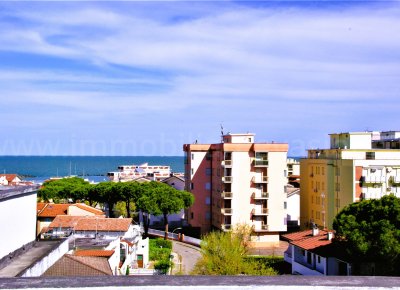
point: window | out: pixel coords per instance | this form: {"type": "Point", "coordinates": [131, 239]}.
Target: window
{"type": "Point", "coordinates": [323, 185]}
{"type": "Point", "coordinates": [208, 171]}
{"type": "Point", "coordinates": [370, 155]}
{"type": "Point", "coordinates": [285, 173]}
{"type": "Point", "coordinates": [312, 198]}
{"type": "Point", "coordinates": [337, 186]}
{"type": "Point", "coordinates": [192, 171]}
{"type": "Point", "coordinates": [323, 170]}
{"type": "Point", "coordinates": [208, 215]}
{"type": "Point", "coordinates": [308, 257]}
{"type": "Point", "coordinates": [338, 171]}
{"type": "Point", "coordinates": [208, 200]}
{"type": "Point", "coordinates": [208, 156]}
{"type": "Point", "coordinates": [191, 215]}
{"type": "Point", "coordinates": [285, 205]}
{"type": "Point", "coordinates": [192, 156]}
{"type": "Point", "coordinates": [312, 214]}
{"type": "Point", "coordinates": [191, 185]}
{"type": "Point", "coordinates": [208, 186]}
{"type": "Point", "coordinates": [319, 259]}
{"type": "Point", "coordinates": [317, 215]}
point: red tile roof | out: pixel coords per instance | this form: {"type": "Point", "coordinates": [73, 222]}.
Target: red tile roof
{"type": "Point", "coordinates": [55, 209]}
{"type": "Point", "coordinates": [9, 177]}
{"type": "Point", "coordinates": [104, 224]}
{"type": "Point", "coordinates": [70, 265]}
{"type": "Point", "coordinates": [95, 253]}
{"type": "Point", "coordinates": [89, 208]}
{"type": "Point", "coordinates": [307, 241]}
{"type": "Point", "coordinates": [67, 221]}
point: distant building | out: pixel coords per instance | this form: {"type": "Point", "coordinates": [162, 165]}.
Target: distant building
{"type": "Point", "coordinates": [352, 169]}
{"type": "Point", "coordinates": [174, 220]}
{"type": "Point", "coordinates": [238, 181]}
{"type": "Point", "coordinates": [10, 179]}
{"type": "Point", "coordinates": [133, 172]}
{"type": "Point", "coordinates": [18, 216]}
{"type": "Point", "coordinates": [293, 208]}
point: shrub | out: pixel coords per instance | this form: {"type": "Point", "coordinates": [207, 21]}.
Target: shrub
{"type": "Point", "coordinates": [162, 266]}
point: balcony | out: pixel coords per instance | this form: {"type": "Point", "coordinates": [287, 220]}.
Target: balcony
{"type": "Point", "coordinates": [263, 228]}
{"type": "Point", "coordinates": [226, 195]}
{"type": "Point", "coordinates": [261, 163]}
{"type": "Point", "coordinates": [226, 211]}
{"type": "Point", "coordinates": [226, 227]}
{"type": "Point", "coordinates": [258, 179]}
{"type": "Point", "coordinates": [226, 163]}
{"type": "Point", "coordinates": [374, 179]}
{"type": "Point", "coordinates": [262, 211]}
{"type": "Point", "coordinates": [227, 179]}
{"type": "Point", "coordinates": [260, 195]}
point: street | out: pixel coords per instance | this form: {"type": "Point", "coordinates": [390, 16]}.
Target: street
{"type": "Point", "coordinates": [189, 255]}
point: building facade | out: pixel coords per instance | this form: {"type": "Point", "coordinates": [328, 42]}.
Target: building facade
{"type": "Point", "coordinates": [349, 171]}
{"type": "Point", "coordinates": [235, 182]}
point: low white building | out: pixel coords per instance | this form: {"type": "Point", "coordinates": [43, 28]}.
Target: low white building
{"type": "Point", "coordinates": [312, 253]}
{"type": "Point", "coordinates": [105, 234]}
{"type": "Point", "coordinates": [18, 216]}
{"type": "Point", "coordinates": [133, 172]}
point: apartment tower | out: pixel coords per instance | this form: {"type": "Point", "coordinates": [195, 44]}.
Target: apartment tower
{"type": "Point", "coordinates": [238, 181]}
{"type": "Point", "coordinates": [357, 166]}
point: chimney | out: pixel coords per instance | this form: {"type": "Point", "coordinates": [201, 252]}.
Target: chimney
{"type": "Point", "coordinates": [315, 231]}
{"type": "Point", "coordinates": [329, 235]}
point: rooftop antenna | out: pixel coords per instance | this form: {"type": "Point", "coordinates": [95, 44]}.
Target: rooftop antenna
{"type": "Point", "coordinates": [222, 133]}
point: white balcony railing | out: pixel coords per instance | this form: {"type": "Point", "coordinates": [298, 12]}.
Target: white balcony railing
{"type": "Point", "coordinates": [226, 163]}
{"type": "Point", "coordinates": [227, 179]}
{"type": "Point", "coordinates": [226, 195]}
{"type": "Point", "coordinates": [226, 211]}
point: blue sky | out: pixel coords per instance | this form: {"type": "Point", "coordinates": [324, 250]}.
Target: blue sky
{"type": "Point", "coordinates": [144, 77]}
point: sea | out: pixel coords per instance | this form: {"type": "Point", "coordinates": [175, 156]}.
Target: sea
{"type": "Point", "coordinates": [40, 168]}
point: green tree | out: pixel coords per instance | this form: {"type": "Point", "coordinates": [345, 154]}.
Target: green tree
{"type": "Point", "coordinates": [370, 232]}
{"type": "Point", "coordinates": [74, 188]}
{"type": "Point", "coordinates": [224, 253]}
{"type": "Point", "coordinates": [106, 192]}
{"type": "Point", "coordinates": [161, 199]}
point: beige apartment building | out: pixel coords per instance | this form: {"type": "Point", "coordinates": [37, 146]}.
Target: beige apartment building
{"type": "Point", "coordinates": [238, 181]}
{"type": "Point", "coordinates": [352, 169]}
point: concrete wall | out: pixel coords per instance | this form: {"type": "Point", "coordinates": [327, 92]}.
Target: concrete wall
{"type": "Point", "coordinates": [46, 262]}
{"type": "Point", "coordinates": [18, 227]}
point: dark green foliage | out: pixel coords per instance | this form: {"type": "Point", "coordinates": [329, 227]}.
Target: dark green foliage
{"type": "Point", "coordinates": [63, 189]}
{"type": "Point", "coordinates": [370, 231]}
{"type": "Point", "coordinates": [163, 266]}
{"type": "Point", "coordinates": [161, 243]}
{"type": "Point", "coordinates": [160, 249]}
{"type": "Point", "coordinates": [274, 262]}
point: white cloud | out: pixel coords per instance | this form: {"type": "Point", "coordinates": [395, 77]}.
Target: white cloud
{"type": "Point", "coordinates": [296, 62]}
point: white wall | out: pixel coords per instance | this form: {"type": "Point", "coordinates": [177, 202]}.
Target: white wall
{"type": "Point", "coordinates": [46, 262]}
{"type": "Point", "coordinates": [18, 227]}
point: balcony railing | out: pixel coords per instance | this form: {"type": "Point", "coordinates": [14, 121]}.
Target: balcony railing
{"type": "Point", "coordinates": [261, 228]}
{"type": "Point", "coordinates": [226, 163]}
{"type": "Point", "coordinates": [262, 211]}
{"type": "Point", "coordinates": [226, 227]}
{"type": "Point", "coordinates": [262, 179]}
{"type": "Point", "coordinates": [226, 211]}
{"type": "Point", "coordinates": [226, 195]}
{"type": "Point", "coordinates": [261, 162]}
{"type": "Point", "coordinates": [227, 179]}
{"type": "Point", "coordinates": [262, 195]}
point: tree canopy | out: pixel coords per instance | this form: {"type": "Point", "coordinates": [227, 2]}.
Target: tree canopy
{"type": "Point", "coordinates": [63, 189]}
{"type": "Point", "coordinates": [370, 231]}
{"type": "Point", "coordinates": [225, 253]}
{"type": "Point", "coordinates": [152, 198]}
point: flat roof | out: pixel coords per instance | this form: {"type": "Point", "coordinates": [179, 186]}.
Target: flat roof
{"type": "Point", "coordinates": [157, 282]}
{"type": "Point", "coordinates": [18, 191]}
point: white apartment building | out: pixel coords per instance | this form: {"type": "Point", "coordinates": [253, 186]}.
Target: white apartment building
{"type": "Point", "coordinates": [238, 181]}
